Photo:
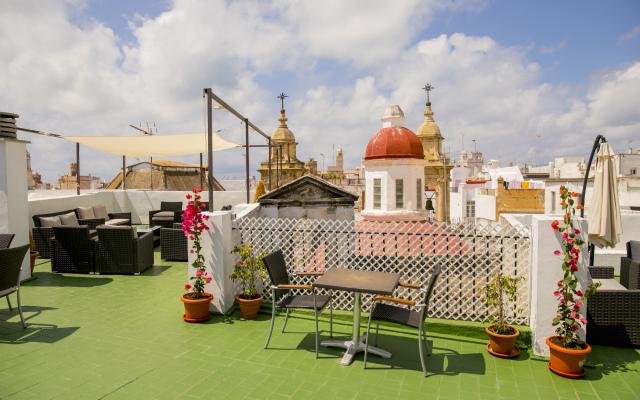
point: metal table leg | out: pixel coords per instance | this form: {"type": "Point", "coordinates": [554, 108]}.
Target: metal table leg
{"type": "Point", "coordinates": [357, 342]}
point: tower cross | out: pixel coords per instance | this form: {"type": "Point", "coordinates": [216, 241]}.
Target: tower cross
{"type": "Point", "coordinates": [427, 88]}
{"type": "Point", "coordinates": [281, 97]}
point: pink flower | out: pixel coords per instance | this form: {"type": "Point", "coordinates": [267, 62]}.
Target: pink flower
{"type": "Point", "coordinates": [565, 235]}
{"type": "Point", "coordinates": [575, 327]}
{"type": "Point", "coordinates": [560, 284]}
{"type": "Point", "coordinates": [557, 252]}
{"type": "Point", "coordinates": [208, 279]}
{"type": "Point", "coordinates": [570, 241]}
{"type": "Point", "coordinates": [579, 293]}
{"type": "Point", "coordinates": [584, 321]}
{"type": "Point", "coordinates": [579, 304]}
{"type": "Point", "coordinates": [556, 293]}
{"type": "Point", "coordinates": [562, 301]}
{"type": "Point", "coordinates": [577, 231]}
{"type": "Point", "coordinates": [187, 287]}
{"type": "Point", "coordinates": [573, 314]}
{"type": "Point", "coordinates": [574, 267]}
{"type": "Point", "coordinates": [198, 274]}
{"type": "Point", "coordinates": [199, 189]}
{"type": "Point", "coordinates": [188, 196]}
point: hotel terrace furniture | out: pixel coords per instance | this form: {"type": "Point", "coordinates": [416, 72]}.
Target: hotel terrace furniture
{"type": "Point", "coordinates": [173, 243]}
{"type": "Point", "coordinates": [630, 266]}
{"type": "Point", "coordinates": [121, 251]}
{"type": "Point", "coordinates": [404, 316]}
{"type": "Point", "coordinates": [357, 281]}
{"type": "Point", "coordinates": [5, 240]}
{"type": "Point", "coordinates": [281, 296]}
{"type": "Point", "coordinates": [97, 215]}
{"type": "Point", "coordinates": [613, 312]}
{"type": "Point", "coordinates": [142, 229]}
{"type": "Point", "coordinates": [169, 213]}
{"type": "Point", "coordinates": [10, 266]}
{"type": "Point", "coordinates": [73, 249]}
{"type": "Point", "coordinates": [43, 228]}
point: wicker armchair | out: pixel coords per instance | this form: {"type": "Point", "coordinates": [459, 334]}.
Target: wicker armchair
{"type": "Point", "coordinates": [403, 316]}
{"type": "Point", "coordinates": [613, 315]}
{"type": "Point", "coordinates": [630, 266]}
{"type": "Point", "coordinates": [170, 212]}
{"type": "Point", "coordinates": [282, 297]}
{"type": "Point", "coordinates": [42, 234]}
{"type": "Point", "coordinates": [173, 243]}
{"type": "Point", "coordinates": [5, 240]}
{"type": "Point", "coordinates": [10, 266]}
{"type": "Point", "coordinates": [73, 249]}
{"type": "Point", "coordinates": [121, 252]}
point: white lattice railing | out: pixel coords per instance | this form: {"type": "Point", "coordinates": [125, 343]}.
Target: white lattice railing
{"type": "Point", "coordinates": [469, 255]}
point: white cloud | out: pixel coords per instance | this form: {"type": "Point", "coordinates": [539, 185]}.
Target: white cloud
{"type": "Point", "coordinates": [553, 49]}
{"type": "Point", "coordinates": [634, 33]}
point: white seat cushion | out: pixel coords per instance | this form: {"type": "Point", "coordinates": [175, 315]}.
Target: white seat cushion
{"type": "Point", "coordinates": [609, 284]}
{"type": "Point", "coordinates": [100, 211]}
{"type": "Point", "coordinates": [69, 219]}
{"type": "Point", "coordinates": [86, 212]}
{"type": "Point", "coordinates": [50, 221]}
{"type": "Point", "coordinates": [117, 221]}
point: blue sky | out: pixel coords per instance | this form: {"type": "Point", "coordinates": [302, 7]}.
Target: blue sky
{"type": "Point", "coordinates": [504, 72]}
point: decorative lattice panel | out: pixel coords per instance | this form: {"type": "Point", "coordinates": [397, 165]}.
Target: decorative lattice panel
{"type": "Point", "coordinates": [469, 255]}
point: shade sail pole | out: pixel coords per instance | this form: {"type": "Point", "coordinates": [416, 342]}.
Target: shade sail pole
{"type": "Point", "coordinates": [124, 170]}
{"type": "Point", "coordinates": [209, 148]}
{"type": "Point", "coordinates": [78, 168]}
{"type": "Point", "coordinates": [246, 126]}
{"type": "Point", "coordinates": [596, 147]}
{"type": "Point", "coordinates": [201, 178]}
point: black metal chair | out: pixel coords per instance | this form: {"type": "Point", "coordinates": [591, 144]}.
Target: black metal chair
{"type": "Point", "coordinates": [169, 213]}
{"type": "Point", "coordinates": [404, 316]}
{"type": "Point", "coordinates": [173, 243]}
{"type": "Point", "coordinates": [10, 267]}
{"type": "Point", "coordinates": [73, 249]}
{"type": "Point", "coordinates": [120, 252]}
{"type": "Point", "coordinates": [282, 298]}
{"type": "Point", "coordinates": [5, 240]}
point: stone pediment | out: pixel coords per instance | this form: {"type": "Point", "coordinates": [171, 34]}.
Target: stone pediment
{"type": "Point", "coordinates": [308, 190]}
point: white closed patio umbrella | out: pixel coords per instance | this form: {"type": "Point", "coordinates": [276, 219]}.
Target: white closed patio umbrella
{"type": "Point", "coordinates": [605, 225]}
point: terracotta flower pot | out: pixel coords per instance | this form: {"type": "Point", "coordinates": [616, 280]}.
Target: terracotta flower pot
{"type": "Point", "coordinates": [196, 310]}
{"type": "Point", "coordinates": [33, 255]}
{"type": "Point", "coordinates": [249, 307]}
{"type": "Point", "coordinates": [502, 345]}
{"type": "Point", "coordinates": [567, 362]}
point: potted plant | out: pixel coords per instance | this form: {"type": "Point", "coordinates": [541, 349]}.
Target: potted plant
{"type": "Point", "coordinates": [33, 253]}
{"type": "Point", "coordinates": [247, 271]}
{"type": "Point", "coordinates": [501, 295]}
{"type": "Point", "coordinates": [196, 302]}
{"type": "Point", "coordinates": [566, 349]}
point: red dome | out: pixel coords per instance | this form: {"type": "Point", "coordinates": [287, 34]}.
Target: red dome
{"type": "Point", "coordinates": [394, 142]}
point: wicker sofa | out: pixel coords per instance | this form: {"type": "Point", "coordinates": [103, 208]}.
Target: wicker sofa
{"type": "Point", "coordinates": [98, 215]}
{"type": "Point", "coordinates": [613, 313]}
{"type": "Point", "coordinates": [43, 228]}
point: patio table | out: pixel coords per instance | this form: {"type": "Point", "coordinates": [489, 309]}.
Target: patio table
{"type": "Point", "coordinates": [358, 282]}
{"type": "Point", "coordinates": [142, 229]}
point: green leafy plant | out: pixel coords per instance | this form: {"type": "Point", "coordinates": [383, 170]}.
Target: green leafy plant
{"type": "Point", "coordinates": [570, 299]}
{"type": "Point", "coordinates": [248, 270]}
{"type": "Point", "coordinates": [193, 225]}
{"type": "Point", "coordinates": [501, 294]}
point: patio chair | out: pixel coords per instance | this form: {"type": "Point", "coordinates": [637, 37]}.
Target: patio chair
{"type": "Point", "coordinates": [73, 249]}
{"type": "Point", "coordinates": [281, 296]}
{"type": "Point", "coordinates": [173, 243]}
{"type": "Point", "coordinates": [121, 251]}
{"type": "Point", "coordinates": [404, 316]}
{"type": "Point", "coordinates": [5, 240]}
{"type": "Point", "coordinates": [169, 213]}
{"type": "Point", "coordinates": [630, 266]}
{"type": "Point", "coordinates": [10, 267]}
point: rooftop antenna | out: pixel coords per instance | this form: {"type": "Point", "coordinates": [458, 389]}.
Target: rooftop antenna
{"type": "Point", "coordinates": [475, 149]}
{"type": "Point", "coordinates": [428, 88]}
{"type": "Point", "coordinates": [463, 134]}
{"type": "Point", "coordinates": [150, 127]}
{"type": "Point", "coordinates": [538, 136]}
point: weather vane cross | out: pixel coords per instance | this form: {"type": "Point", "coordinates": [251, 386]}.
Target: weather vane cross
{"type": "Point", "coordinates": [281, 97]}
{"type": "Point", "coordinates": [427, 88]}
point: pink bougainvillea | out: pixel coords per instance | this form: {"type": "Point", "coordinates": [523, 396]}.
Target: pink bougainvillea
{"type": "Point", "coordinates": [193, 226]}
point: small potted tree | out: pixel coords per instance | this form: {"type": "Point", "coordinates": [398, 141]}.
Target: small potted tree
{"type": "Point", "coordinates": [500, 296]}
{"type": "Point", "coordinates": [196, 302]}
{"type": "Point", "coordinates": [567, 351]}
{"type": "Point", "coordinates": [246, 272]}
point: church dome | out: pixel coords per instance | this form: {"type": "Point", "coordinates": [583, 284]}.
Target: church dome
{"type": "Point", "coordinates": [282, 133]}
{"type": "Point", "coordinates": [394, 142]}
{"type": "Point", "coordinates": [428, 127]}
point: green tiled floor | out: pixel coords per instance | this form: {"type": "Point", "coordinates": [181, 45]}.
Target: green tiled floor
{"type": "Point", "coordinates": [122, 337]}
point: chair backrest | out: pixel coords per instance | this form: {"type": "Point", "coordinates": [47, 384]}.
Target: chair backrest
{"type": "Point", "coordinates": [75, 242]}
{"type": "Point", "coordinates": [10, 265]}
{"type": "Point", "coordinates": [36, 218]}
{"type": "Point", "coordinates": [432, 283]}
{"type": "Point", "coordinates": [115, 244]}
{"type": "Point", "coordinates": [171, 205]}
{"type": "Point", "coordinates": [277, 269]}
{"type": "Point", "coordinates": [5, 240]}
{"type": "Point", "coordinates": [633, 250]}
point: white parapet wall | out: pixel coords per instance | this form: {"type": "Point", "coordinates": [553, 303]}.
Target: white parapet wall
{"type": "Point", "coordinates": [216, 248]}
{"type": "Point", "coordinates": [546, 271]}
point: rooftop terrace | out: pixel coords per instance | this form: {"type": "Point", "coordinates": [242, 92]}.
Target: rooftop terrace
{"type": "Point", "coordinates": [122, 337]}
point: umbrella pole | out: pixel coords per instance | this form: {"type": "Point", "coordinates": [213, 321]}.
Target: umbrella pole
{"type": "Point", "coordinates": [596, 147]}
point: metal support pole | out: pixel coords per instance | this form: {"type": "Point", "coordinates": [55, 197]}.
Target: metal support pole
{"type": "Point", "coordinates": [124, 175]}
{"type": "Point", "coordinates": [246, 126]}
{"type": "Point", "coordinates": [209, 148]}
{"type": "Point", "coordinates": [269, 164]}
{"type": "Point", "coordinates": [78, 167]}
{"type": "Point", "coordinates": [151, 174]}
{"type": "Point", "coordinates": [201, 177]}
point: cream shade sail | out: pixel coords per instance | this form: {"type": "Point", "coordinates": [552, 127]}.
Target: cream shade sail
{"type": "Point", "coordinates": [154, 145]}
